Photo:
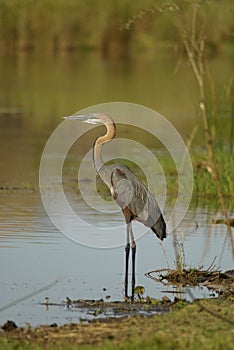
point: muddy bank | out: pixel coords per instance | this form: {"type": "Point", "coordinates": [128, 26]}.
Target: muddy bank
{"type": "Point", "coordinates": [144, 321]}
{"type": "Point", "coordinates": [212, 321]}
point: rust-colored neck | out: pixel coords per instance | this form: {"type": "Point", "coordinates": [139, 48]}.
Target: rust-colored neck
{"type": "Point", "coordinates": [97, 148]}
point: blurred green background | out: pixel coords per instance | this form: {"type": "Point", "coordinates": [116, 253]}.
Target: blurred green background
{"type": "Point", "coordinates": [75, 25]}
{"type": "Point", "coordinates": [57, 57]}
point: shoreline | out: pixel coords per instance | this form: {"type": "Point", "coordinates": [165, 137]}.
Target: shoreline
{"type": "Point", "coordinates": [186, 325]}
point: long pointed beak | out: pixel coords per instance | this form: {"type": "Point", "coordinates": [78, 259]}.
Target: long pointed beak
{"type": "Point", "coordinates": [82, 118]}
{"type": "Point", "coordinates": [86, 118]}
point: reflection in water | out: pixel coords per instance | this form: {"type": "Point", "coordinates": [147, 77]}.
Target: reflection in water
{"type": "Point", "coordinates": [22, 220]}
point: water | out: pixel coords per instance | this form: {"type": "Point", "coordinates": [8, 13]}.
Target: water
{"type": "Point", "coordinates": [35, 257]}
{"type": "Point", "coordinates": [36, 260]}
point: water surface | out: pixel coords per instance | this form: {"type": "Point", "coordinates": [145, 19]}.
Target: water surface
{"type": "Point", "coordinates": [35, 255]}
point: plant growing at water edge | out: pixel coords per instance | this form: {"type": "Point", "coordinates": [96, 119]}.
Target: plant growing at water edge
{"type": "Point", "coordinates": [178, 244]}
{"type": "Point", "coordinates": [194, 40]}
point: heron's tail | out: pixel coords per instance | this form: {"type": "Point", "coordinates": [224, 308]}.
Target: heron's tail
{"type": "Point", "coordinates": [159, 228]}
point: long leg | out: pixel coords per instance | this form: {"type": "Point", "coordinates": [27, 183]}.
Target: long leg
{"type": "Point", "coordinates": [133, 243]}
{"type": "Point", "coordinates": [127, 249]}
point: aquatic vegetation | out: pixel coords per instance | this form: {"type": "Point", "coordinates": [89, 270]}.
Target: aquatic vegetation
{"type": "Point", "coordinates": [222, 221]}
{"type": "Point", "coordinates": [222, 282]}
{"type": "Point", "coordinates": [204, 185]}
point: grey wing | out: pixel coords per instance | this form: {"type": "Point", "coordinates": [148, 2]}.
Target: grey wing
{"type": "Point", "coordinates": [129, 191]}
{"type": "Point", "coordinates": [122, 186]}
{"type": "Point", "coordinates": [151, 211]}
{"type": "Point", "coordinates": [152, 217]}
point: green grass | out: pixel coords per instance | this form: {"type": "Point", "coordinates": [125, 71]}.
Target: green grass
{"type": "Point", "coordinates": [205, 188]}
{"type": "Point", "coordinates": [207, 324]}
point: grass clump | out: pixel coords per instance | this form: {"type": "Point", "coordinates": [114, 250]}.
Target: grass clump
{"type": "Point", "coordinates": [204, 185]}
{"type": "Point", "coordinates": [190, 277]}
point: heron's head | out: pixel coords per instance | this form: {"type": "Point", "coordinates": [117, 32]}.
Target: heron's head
{"type": "Point", "coordinates": [94, 118]}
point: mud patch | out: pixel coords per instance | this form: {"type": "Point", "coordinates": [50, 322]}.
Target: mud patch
{"type": "Point", "coordinates": [101, 309]}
